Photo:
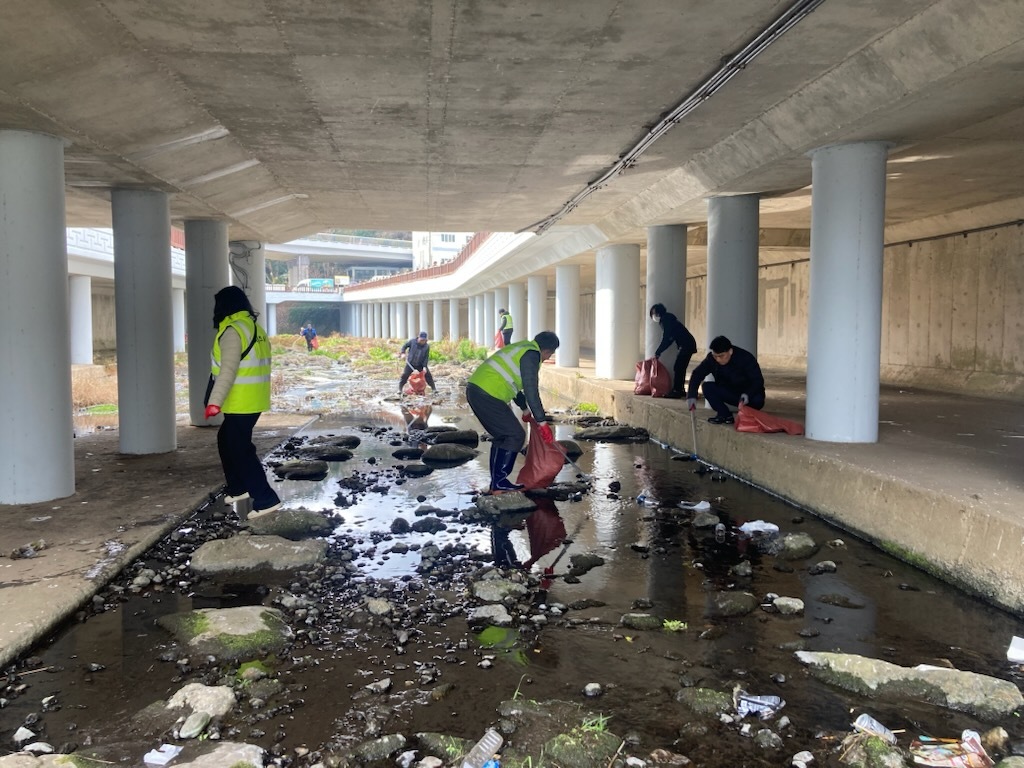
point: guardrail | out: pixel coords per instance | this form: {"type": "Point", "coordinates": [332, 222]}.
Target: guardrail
{"type": "Point", "coordinates": [380, 242]}
{"type": "Point", "coordinates": [279, 288]}
{"type": "Point", "coordinates": [426, 273]}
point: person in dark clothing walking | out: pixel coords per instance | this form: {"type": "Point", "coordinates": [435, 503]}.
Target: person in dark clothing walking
{"type": "Point", "coordinates": [674, 332]}
{"type": "Point", "coordinates": [308, 332]}
{"type": "Point", "coordinates": [738, 380]}
{"type": "Point", "coordinates": [417, 355]}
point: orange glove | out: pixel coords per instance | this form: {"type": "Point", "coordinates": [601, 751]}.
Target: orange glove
{"type": "Point", "coordinates": [212, 410]}
{"type": "Point", "coordinates": [545, 433]}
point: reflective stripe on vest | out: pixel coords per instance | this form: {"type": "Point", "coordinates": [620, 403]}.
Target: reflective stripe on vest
{"type": "Point", "coordinates": [499, 375]}
{"type": "Point", "coordinates": [508, 321]}
{"type": "Point", "coordinates": [250, 392]}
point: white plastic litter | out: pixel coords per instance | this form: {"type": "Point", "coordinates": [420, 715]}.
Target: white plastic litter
{"type": "Point", "coordinates": [645, 500]}
{"type": "Point", "coordinates": [1015, 652]}
{"type": "Point", "coordinates": [763, 706]}
{"type": "Point", "coordinates": [865, 723]}
{"type": "Point", "coordinates": [759, 526]}
{"type": "Point", "coordinates": [483, 750]}
{"type": "Point", "coordinates": [162, 755]}
{"type": "Point", "coordinates": [696, 506]}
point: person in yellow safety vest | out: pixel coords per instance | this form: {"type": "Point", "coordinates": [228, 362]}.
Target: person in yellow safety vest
{"type": "Point", "coordinates": [505, 326]}
{"type": "Point", "coordinates": [240, 368]}
{"type": "Point", "coordinates": [510, 374]}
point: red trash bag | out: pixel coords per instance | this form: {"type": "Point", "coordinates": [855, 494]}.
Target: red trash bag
{"type": "Point", "coordinates": [315, 342]}
{"type": "Point", "coordinates": [642, 380]}
{"type": "Point", "coordinates": [752, 420]}
{"type": "Point", "coordinates": [543, 461]}
{"type": "Point", "coordinates": [661, 379]}
{"type": "Point", "coordinates": [499, 340]}
{"type": "Point", "coordinates": [417, 384]}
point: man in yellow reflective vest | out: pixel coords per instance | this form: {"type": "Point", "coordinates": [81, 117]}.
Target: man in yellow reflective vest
{"type": "Point", "coordinates": [240, 368]}
{"type": "Point", "coordinates": [510, 374]}
{"type": "Point", "coordinates": [505, 326]}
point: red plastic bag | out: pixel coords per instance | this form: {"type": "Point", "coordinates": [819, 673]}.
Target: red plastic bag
{"type": "Point", "coordinates": [315, 342]}
{"type": "Point", "coordinates": [661, 379]}
{"type": "Point", "coordinates": [417, 383]}
{"type": "Point", "coordinates": [752, 420]}
{"type": "Point", "coordinates": [642, 380]}
{"type": "Point", "coordinates": [543, 461]}
{"type": "Point", "coordinates": [499, 340]}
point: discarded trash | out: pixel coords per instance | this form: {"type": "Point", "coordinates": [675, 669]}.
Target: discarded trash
{"type": "Point", "coordinates": [865, 723]}
{"type": "Point", "coordinates": [759, 526]}
{"type": "Point", "coordinates": [162, 755]}
{"type": "Point", "coordinates": [646, 501]}
{"type": "Point", "coordinates": [1015, 652]}
{"type": "Point", "coordinates": [29, 550]}
{"type": "Point", "coordinates": [720, 533]}
{"type": "Point", "coordinates": [696, 506]}
{"type": "Point", "coordinates": [951, 753]}
{"type": "Point", "coordinates": [482, 753]}
{"type": "Point", "coordinates": [764, 707]}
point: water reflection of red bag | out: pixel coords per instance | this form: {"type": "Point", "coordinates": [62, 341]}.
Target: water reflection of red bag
{"type": "Point", "coordinates": [753, 420]}
{"type": "Point", "coordinates": [417, 383]}
{"type": "Point", "coordinates": [543, 461]}
{"type": "Point", "coordinates": [545, 528]}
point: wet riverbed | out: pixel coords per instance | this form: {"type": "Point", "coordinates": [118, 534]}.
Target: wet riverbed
{"type": "Point", "coordinates": [115, 661]}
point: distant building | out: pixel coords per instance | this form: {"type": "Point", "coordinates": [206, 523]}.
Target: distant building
{"type": "Point", "coordinates": [430, 248]}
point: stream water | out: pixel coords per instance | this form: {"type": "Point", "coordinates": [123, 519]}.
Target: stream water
{"type": "Point", "coordinates": [107, 667]}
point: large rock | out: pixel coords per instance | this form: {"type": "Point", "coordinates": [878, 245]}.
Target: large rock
{"type": "Point", "coordinates": [462, 436]}
{"type": "Point", "coordinates": [987, 698]}
{"type": "Point", "coordinates": [572, 448]}
{"type": "Point", "coordinates": [496, 590]}
{"type": "Point", "coordinates": [729, 604]}
{"type": "Point", "coordinates": [447, 454]}
{"type": "Point", "coordinates": [255, 555]}
{"type": "Point", "coordinates": [302, 470]}
{"type": "Point", "coordinates": [327, 453]}
{"type": "Point", "coordinates": [214, 700]}
{"type": "Point", "coordinates": [795, 546]}
{"type": "Point", "coordinates": [217, 754]}
{"type": "Point", "coordinates": [505, 504]}
{"type": "Point", "coordinates": [621, 433]}
{"type": "Point", "coordinates": [230, 633]}
{"type": "Point", "coordinates": [293, 524]}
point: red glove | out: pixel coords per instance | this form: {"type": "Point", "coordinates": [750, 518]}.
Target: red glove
{"type": "Point", "coordinates": [545, 433]}
{"type": "Point", "coordinates": [212, 410]}
{"type": "Point", "coordinates": [527, 417]}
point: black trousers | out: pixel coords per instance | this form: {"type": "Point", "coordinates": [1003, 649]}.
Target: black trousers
{"type": "Point", "coordinates": [408, 372]}
{"type": "Point", "coordinates": [506, 334]}
{"type": "Point", "coordinates": [679, 372]}
{"type": "Point", "coordinates": [243, 470]}
{"type": "Point", "coordinates": [497, 418]}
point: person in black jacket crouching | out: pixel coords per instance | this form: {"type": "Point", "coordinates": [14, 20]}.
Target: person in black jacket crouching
{"type": "Point", "coordinates": [738, 380]}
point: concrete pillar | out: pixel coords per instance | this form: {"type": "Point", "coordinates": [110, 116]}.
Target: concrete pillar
{"type": "Point", "coordinates": [365, 326]}
{"type": "Point", "coordinates": [481, 322]}
{"type": "Point", "coordinates": [517, 308]}
{"type": "Point", "coordinates": [249, 272]}
{"type": "Point", "coordinates": [206, 272]}
{"type": "Point", "coordinates": [732, 269]}
{"type": "Point", "coordinates": [378, 320]}
{"type": "Point", "coordinates": [438, 319]}
{"type": "Point", "coordinates": [410, 317]}
{"type": "Point", "coordinates": [567, 315]}
{"type": "Point", "coordinates": [402, 318]}
{"type": "Point", "coordinates": [271, 324]}
{"type": "Point", "coordinates": [454, 331]}
{"type": "Point", "coordinates": [142, 303]}
{"type": "Point", "coordinates": [471, 318]}
{"type": "Point", "coordinates": [80, 311]}
{"type": "Point", "coordinates": [666, 284]}
{"type": "Point", "coordinates": [37, 458]}
{"type": "Point", "coordinates": [424, 322]}
{"type": "Point", "coordinates": [537, 302]}
{"type": "Point", "coordinates": [500, 302]}
{"type": "Point", "coordinates": [617, 312]}
{"type": "Point", "coordinates": [178, 318]}
{"type": "Point", "coordinates": [844, 336]}
{"type": "Point", "coordinates": [490, 320]}
{"type": "Point", "coordinates": [389, 319]}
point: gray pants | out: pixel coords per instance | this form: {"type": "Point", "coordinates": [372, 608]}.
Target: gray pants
{"type": "Point", "coordinates": [497, 418]}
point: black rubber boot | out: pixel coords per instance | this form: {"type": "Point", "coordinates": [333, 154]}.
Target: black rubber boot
{"type": "Point", "coordinates": [503, 460]}
{"type": "Point", "coordinates": [502, 549]}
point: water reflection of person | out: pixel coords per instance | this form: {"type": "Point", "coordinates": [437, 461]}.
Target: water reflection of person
{"type": "Point", "coordinates": [416, 418]}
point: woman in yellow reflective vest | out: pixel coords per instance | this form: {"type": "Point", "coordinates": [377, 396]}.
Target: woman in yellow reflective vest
{"type": "Point", "coordinates": [511, 373]}
{"type": "Point", "coordinates": [240, 366]}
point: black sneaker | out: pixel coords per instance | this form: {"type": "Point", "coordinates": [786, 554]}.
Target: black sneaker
{"type": "Point", "coordinates": [721, 419]}
{"type": "Point", "coordinates": [674, 396]}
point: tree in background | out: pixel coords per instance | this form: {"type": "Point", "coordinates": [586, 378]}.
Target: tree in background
{"type": "Point", "coordinates": [324, 318]}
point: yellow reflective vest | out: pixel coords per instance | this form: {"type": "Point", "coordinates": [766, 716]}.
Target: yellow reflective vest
{"type": "Point", "coordinates": [251, 391]}
{"type": "Point", "coordinates": [508, 321]}
{"type": "Point", "coordinates": [499, 375]}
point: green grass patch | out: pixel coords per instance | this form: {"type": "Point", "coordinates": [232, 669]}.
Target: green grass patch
{"type": "Point", "coordinates": [102, 408]}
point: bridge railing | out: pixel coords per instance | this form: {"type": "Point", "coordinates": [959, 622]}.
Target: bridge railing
{"type": "Point", "coordinates": [426, 273]}
{"type": "Point", "coordinates": [281, 288]}
{"type": "Point", "coordinates": [379, 242]}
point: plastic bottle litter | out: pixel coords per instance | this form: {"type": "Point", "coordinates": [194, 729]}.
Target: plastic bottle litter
{"type": "Point", "coordinates": [696, 506]}
{"type": "Point", "coordinates": [646, 500]}
{"type": "Point", "coordinates": [763, 706]}
{"type": "Point", "coordinates": [483, 751]}
{"type": "Point", "coordinates": [865, 723]}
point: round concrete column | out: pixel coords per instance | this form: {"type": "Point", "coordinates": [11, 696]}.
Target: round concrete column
{"type": "Point", "coordinates": [471, 318]}
{"type": "Point", "coordinates": [178, 314]}
{"type": "Point", "coordinates": [617, 312]}
{"type": "Point", "coordinates": [206, 272]}
{"type": "Point", "coordinates": [271, 318]}
{"type": "Point", "coordinates": [145, 337]}
{"type": "Point", "coordinates": [37, 456]}
{"type": "Point", "coordinates": [537, 305]}
{"type": "Point", "coordinates": [438, 319]}
{"type": "Point", "coordinates": [366, 325]}
{"type": "Point", "coordinates": [389, 319]}
{"type": "Point", "coordinates": [732, 269]}
{"type": "Point", "coordinates": [80, 306]}
{"type": "Point", "coordinates": [249, 272]}
{"type": "Point", "coordinates": [401, 318]}
{"type": "Point", "coordinates": [481, 321]}
{"type": "Point", "coordinates": [378, 320]}
{"type": "Point", "coordinates": [666, 284]}
{"type": "Point", "coordinates": [845, 313]}
{"type": "Point", "coordinates": [500, 302]}
{"type": "Point", "coordinates": [567, 315]}
{"type": "Point", "coordinates": [490, 324]}
{"type": "Point", "coordinates": [454, 329]}
{"type": "Point", "coordinates": [517, 308]}
{"type": "Point", "coordinates": [424, 323]}
{"type": "Point", "coordinates": [410, 318]}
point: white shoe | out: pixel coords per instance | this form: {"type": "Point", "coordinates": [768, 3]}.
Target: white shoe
{"type": "Point", "coordinates": [229, 500]}
{"type": "Point", "coordinates": [261, 512]}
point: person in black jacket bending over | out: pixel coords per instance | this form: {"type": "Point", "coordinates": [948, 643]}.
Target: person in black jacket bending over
{"type": "Point", "coordinates": [417, 355]}
{"type": "Point", "coordinates": [738, 380]}
{"type": "Point", "coordinates": [673, 331]}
